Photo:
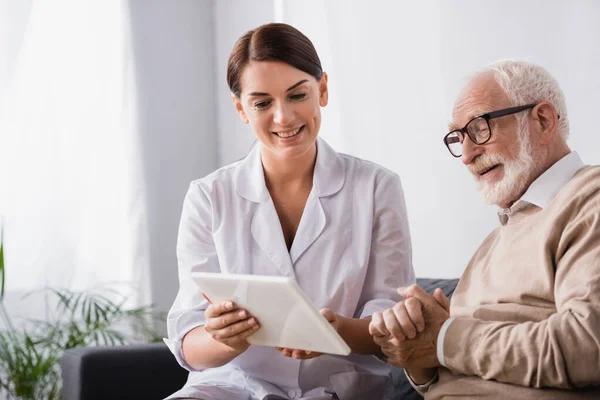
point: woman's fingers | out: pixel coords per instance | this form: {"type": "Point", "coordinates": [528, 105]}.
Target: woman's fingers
{"type": "Point", "coordinates": [241, 338]}
{"type": "Point", "coordinates": [286, 352]}
{"type": "Point", "coordinates": [328, 314]}
{"type": "Point", "coordinates": [216, 309]}
{"type": "Point", "coordinates": [226, 319]}
{"type": "Point", "coordinates": [298, 354]}
{"type": "Point", "coordinates": [235, 329]}
{"type": "Point", "coordinates": [230, 325]}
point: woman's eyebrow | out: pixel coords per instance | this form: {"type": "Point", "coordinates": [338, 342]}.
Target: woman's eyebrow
{"type": "Point", "coordinates": [294, 86]}
{"type": "Point", "coordinates": [297, 84]}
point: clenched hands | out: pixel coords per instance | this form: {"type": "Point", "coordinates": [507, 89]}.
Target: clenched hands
{"type": "Point", "coordinates": [408, 332]}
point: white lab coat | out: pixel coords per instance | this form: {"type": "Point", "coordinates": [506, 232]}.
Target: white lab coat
{"type": "Point", "coordinates": [350, 253]}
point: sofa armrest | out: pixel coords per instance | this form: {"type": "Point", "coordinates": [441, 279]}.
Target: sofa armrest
{"type": "Point", "coordinates": [144, 371]}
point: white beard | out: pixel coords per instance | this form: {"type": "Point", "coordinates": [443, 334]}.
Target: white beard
{"type": "Point", "coordinates": [516, 173]}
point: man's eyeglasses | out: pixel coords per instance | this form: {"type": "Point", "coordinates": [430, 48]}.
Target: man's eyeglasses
{"type": "Point", "coordinates": [478, 129]}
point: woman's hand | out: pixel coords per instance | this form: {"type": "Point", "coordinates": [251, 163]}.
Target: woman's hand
{"type": "Point", "coordinates": [331, 317]}
{"type": "Point", "coordinates": [230, 325]}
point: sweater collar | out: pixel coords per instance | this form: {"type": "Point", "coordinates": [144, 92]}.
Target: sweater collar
{"type": "Point", "coordinates": [541, 192]}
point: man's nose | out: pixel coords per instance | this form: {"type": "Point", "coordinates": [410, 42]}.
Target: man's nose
{"type": "Point", "coordinates": [470, 150]}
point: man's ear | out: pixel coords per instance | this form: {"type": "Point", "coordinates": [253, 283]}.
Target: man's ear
{"type": "Point", "coordinates": [545, 118]}
{"type": "Point", "coordinates": [239, 108]}
{"type": "Point", "coordinates": [323, 90]}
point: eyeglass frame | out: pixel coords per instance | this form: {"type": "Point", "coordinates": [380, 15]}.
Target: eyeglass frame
{"type": "Point", "coordinates": [487, 117]}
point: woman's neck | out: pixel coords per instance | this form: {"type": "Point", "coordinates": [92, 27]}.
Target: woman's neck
{"type": "Point", "coordinates": [283, 173]}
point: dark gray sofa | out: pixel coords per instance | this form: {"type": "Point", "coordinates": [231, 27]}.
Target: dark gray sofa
{"type": "Point", "coordinates": [150, 371]}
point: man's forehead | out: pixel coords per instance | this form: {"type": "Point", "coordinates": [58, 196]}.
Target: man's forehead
{"type": "Point", "coordinates": [481, 95]}
{"type": "Point", "coordinates": [472, 106]}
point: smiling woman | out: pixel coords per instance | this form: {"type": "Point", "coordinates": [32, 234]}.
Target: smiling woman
{"type": "Point", "coordinates": [293, 207]}
{"type": "Point", "coordinates": [284, 88]}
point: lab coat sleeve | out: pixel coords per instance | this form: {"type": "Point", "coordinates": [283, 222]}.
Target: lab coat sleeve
{"type": "Point", "coordinates": [195, 252]}
{"type": "Point", "coordinates": [390, 259]}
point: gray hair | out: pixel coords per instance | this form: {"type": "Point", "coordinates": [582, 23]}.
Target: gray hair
{"type": "Point", "coordinates": [527, 83]}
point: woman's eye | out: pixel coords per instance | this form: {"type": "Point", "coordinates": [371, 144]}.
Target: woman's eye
{"type": "Point", "coordinates": [261, 105]}
{"type": "Point", "coordinates": [298, 96]}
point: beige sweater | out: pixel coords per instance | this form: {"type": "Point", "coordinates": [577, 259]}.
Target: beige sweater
{"type": "Point", "coordinates": [527, 307]}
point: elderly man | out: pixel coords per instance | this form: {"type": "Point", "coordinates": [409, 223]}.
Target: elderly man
{"type": "Point", "coordinates": [525, 316]}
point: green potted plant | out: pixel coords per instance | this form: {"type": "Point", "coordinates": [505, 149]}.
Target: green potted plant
{"type": "Point", "coordinates": [30, 355]}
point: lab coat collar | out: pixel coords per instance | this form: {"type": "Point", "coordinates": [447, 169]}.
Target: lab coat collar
{"type": "Point", "coordinates": [328, 178]}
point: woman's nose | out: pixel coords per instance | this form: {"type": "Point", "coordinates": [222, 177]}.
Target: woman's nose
{"type": "Point", "coordinates": [283, 114]}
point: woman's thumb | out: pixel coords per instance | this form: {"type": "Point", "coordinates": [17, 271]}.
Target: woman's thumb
{"type": "Point", "coordinates": [328, 314]}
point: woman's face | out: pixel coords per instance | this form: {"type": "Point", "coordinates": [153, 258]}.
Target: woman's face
{"type": "Point", "coordinates": [282, 105]}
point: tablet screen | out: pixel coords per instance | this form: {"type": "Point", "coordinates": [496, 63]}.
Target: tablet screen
{"type": "Point", "coordinates": [286, 315]}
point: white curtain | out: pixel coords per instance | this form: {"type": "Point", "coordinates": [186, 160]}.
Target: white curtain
{"type": "Point", "coordinates": [72, 194]}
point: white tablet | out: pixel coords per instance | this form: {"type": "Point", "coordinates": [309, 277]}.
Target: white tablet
{"type": "Point", "coordinates": [286, 315]}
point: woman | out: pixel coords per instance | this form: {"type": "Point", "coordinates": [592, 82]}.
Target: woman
{"type": "Point", "coordinates": [292, 207]}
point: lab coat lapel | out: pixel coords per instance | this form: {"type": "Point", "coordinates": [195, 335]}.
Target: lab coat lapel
{"type": "Point", "coordinates": [312, 223]}
{"type": "Point", "coordinates": [267, 232]}
{"type": "Point", "coordinates": [265, 226]}
{"type": "Point", "coordinates": [328, 179]}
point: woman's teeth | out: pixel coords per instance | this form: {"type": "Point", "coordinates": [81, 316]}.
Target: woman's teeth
{"type": "Point", "coordinates": [290, 133]}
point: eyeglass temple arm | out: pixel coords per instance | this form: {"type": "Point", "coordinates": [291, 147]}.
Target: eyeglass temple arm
{"type": "Point", "coordinates": [508, 111]}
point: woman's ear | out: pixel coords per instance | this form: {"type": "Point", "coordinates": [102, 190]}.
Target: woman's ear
{"type": "Point", "coordinates": [323, 90]}
{"type": "Point", "coordinates": [545, 118]}
{"type": "Point", "coordinates": [239, 108]}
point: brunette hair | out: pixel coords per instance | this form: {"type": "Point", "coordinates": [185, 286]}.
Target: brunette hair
{"type": "Point", "coordinates": [275, 41]}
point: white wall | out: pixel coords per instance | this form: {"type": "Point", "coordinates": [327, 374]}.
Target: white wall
{"type": "Point", "coordinates": [395, 69]}
{"type": "Point", "coordinates": [13, 20]}
{"type": "Point", "coordinates": [232, 19]}
{"type": "Point", "coordinates": [173, 47]}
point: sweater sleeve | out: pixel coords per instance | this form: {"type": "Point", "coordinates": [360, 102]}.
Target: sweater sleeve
{"type": "Point", "coordinates": [562, 351]}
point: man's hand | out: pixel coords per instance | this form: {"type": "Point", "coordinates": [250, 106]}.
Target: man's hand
{"type": "Point", "coordinates": [331, 317]}
{"type": "Point", "coordinates": [414, 348]}
{"type": "Point", "coordinates": [403, 321]}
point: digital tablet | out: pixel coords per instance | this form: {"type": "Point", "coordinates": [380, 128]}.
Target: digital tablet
{"type": "Point", "coordinates": [286, 315]}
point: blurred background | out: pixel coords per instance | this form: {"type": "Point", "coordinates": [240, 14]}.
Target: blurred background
{"type": "Point", "coordinates": [108, 109]}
